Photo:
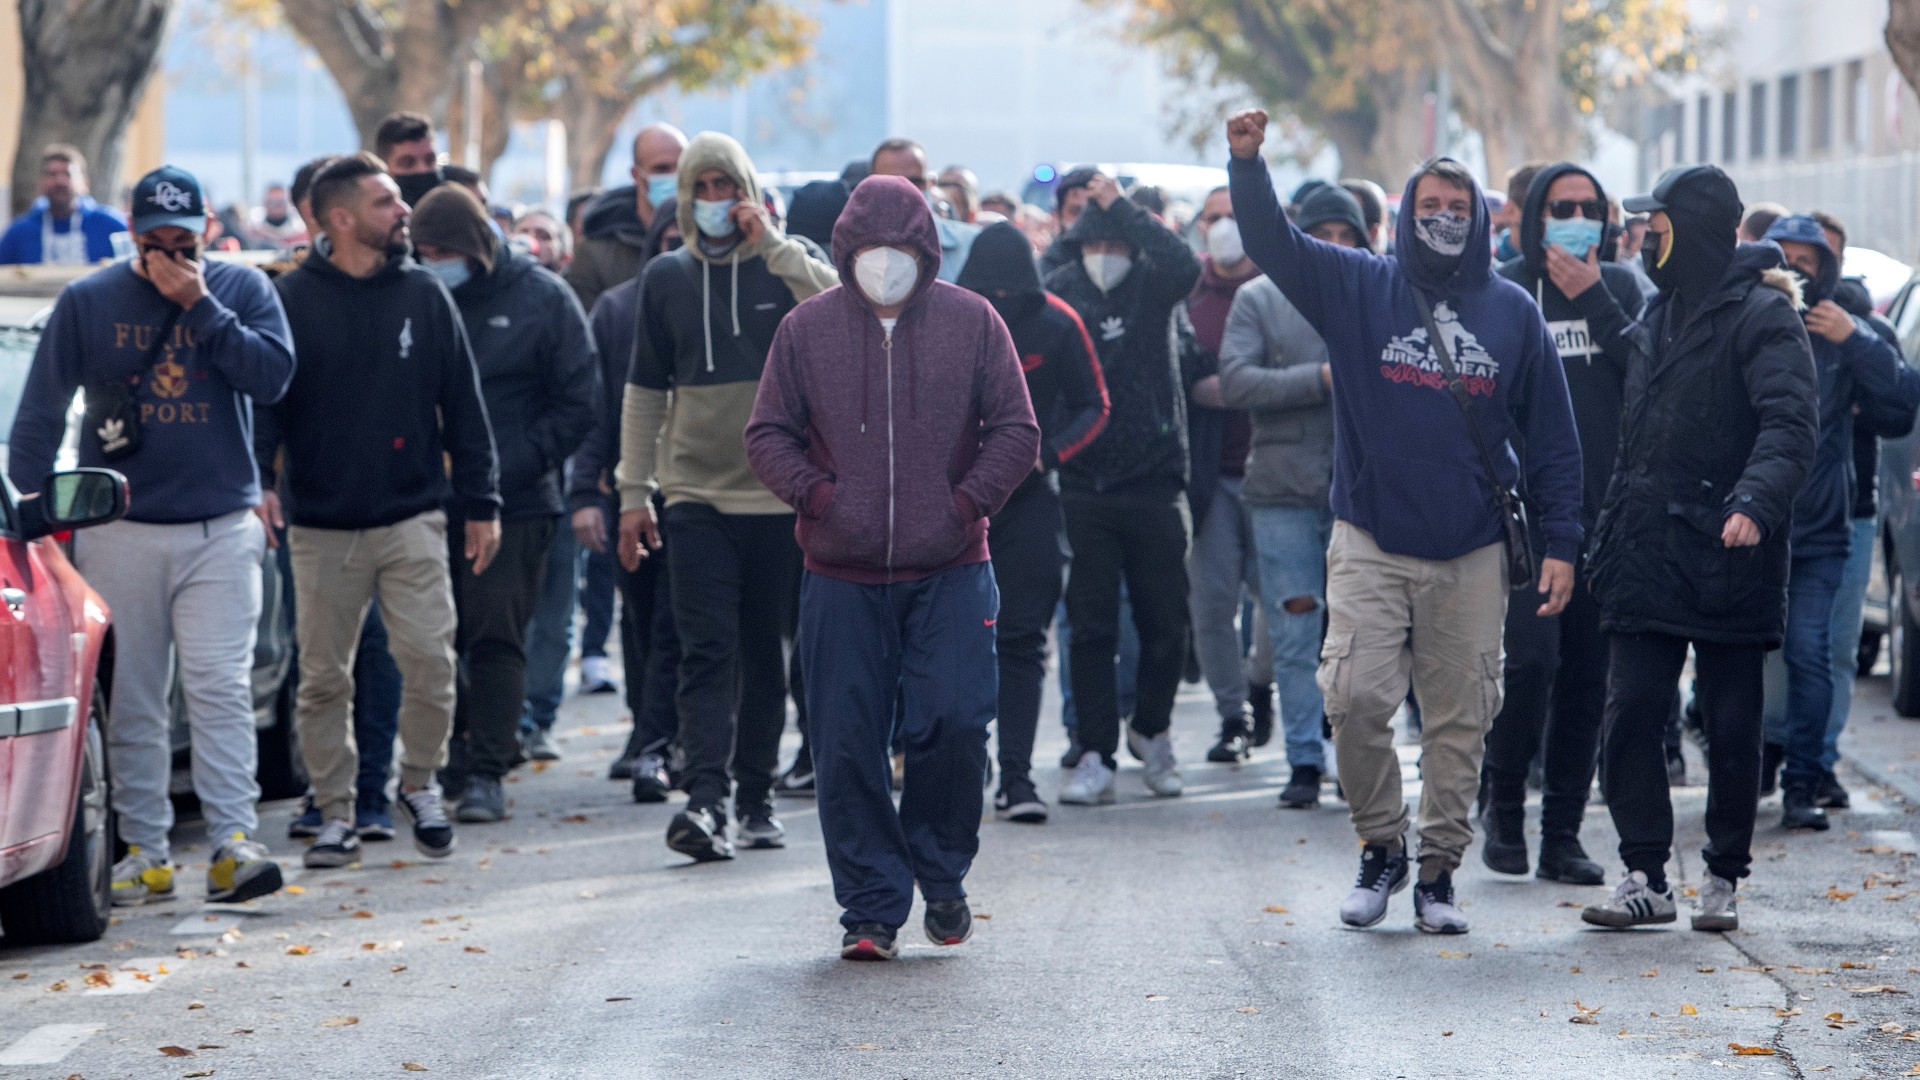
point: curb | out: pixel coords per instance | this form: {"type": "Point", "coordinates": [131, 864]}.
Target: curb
{"type": "Point", "coordinates": [1907, 787]}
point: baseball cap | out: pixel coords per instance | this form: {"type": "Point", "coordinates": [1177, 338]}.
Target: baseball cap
{"type": "Point", "coordinates": [1688, 187]}
{"type": "Point", "coordinates": [169, 196]}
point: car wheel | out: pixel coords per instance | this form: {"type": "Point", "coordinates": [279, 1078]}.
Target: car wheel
{"type": "Point", "coordinates": [1903, 646]}
{"type": "Point", "coordinates": [281, 773]}
{"type": "Point", "coordinates": [71, 902]}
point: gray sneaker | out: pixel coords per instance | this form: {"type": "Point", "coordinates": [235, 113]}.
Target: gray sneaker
{"type": "Point", "coordinates": [1434, 910]}
{"type": "Point", "coordinates": [337, 845]}
{"type": "Point", "coordinates": [1162, 772]}
{"type": "Point", "coordinates": [1716, 911]}
{"type": "Point", "coordinates": [1382, 873]}
{"type": "Point", "coordinates": [1091, 783]}
{"type": "Point", "coordinates": [759, 828]}
{"type": "Point", "coordinates": [1633, 903]}
{"type": "Point", "coordinates": [241, 870]}
{"type": "Point", "coordinates": [485, 800]}
{"type": "Point", "coordinates": [539, 745]}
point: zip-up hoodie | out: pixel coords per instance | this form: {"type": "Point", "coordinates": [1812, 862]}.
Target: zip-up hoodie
{"type": "Point", "coordinates": [385, 394]}
{"type": "Point", "coordinates": [1405, 466]}
{"type": "Point", "coordinates": [1589, 333]}
{"type": "Point", "coordinates": [705, 324]}
{"type": "Point", "coordinates": [1064, 381]}
{"type": "Point", "coordinates": [893, 445]}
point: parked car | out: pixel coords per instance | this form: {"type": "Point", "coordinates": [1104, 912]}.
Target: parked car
{"type": "Point", "coordinates": [1892, 619]}
{"type": "Point", "coordinates": [56, 660]}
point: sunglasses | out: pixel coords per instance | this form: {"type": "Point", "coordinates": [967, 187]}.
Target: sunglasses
{"type": "Point", "coordinates": [1591, 209]}
{"type": "Point", "coordinates": [187, 253]}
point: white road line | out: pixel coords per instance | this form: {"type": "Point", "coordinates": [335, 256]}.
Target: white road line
{"type": "Point", "coordinates": [48, 1043]}
{"type": "Point", "coordinates": [137, 976]}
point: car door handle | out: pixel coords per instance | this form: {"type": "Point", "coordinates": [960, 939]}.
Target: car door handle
{"type": "Point", "coordinates": [15, 599]}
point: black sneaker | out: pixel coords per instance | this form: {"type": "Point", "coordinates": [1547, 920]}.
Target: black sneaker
{"type": "Point", "coordinates": [700, 833]}
{"type": "Point", "coordinates": [1018, 801]}
{"type": "Point", "coordinates": [760, 829]}
{"type": "Point", "coordinates": [650, 781]}
{"type": "Point", "coordinates": [1772, 756]}
{"type": "Point", "coordinates": [948, 922]}
{"type": "Point", "coordinates": [1434, 911]}
{"type": "Point", "coordinates": [1303, 788]}
{"type": "Point", "coordinates": [1505, 848]}
{"type": "Point", "coordinates": [622, 767]}
{"type": "Point", "coordinates": [427, 812]}
{"type": "Point", "coordinates": [485, 800]}
{"type": "Point", "coordinates": [869, 941]}
{"type": "Point", "coordinates": [1800, 809]}
{"type": "Point", "coordinates": [1232, 747]}
{"type": "Point", "coordinates": [337, 846]}
{"type": "Point", "coordinates": [1830, 794]}
{"type": "Point", "coordinates": [798, 780]}
{"type": "Point", "coordinates": [1381, 875]}
{"type": "Point", "coordinates": [1260, 700]}
{"type": "Point", "coordinates": [1563, 859]}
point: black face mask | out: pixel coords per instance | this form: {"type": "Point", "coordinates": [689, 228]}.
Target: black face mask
{"type": "Point", "coordinates": [1441, 267]}
{"type": "Point", "coordinates": [1664, 278]}
{"type": "Point", "coordinates": [414, 186]}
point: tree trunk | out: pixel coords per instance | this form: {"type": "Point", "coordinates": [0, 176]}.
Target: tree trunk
{"type": "Point", "coordinates": [592, 121]}
{"type": "Point", "coordinates": [1903, 38]}
{"type": "Point", "coordinates": [1509, 82]}
{"type": "Point", "coordinates": [87, 63]}
{"type": "Point", "coordinates": [1387, 142]}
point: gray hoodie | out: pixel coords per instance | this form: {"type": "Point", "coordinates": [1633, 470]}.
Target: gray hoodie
{"type": "Point", "coordinates": [1270, 360]}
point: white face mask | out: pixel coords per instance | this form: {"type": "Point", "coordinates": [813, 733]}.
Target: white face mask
{"type": "Point", "coordinates": [1223, 243]}
{"type": "Point", "coordinates": [1105, 269]}
{"type": "Point", "coordinates": [886, 275]}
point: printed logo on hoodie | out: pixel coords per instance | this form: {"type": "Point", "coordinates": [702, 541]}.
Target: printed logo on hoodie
{"type": "Point", "coordinates": [406, 337]}
{"type": "Point", "coordinates": [1573, 339]}
{"type": "Point", "coordinates": [1409, 358]}
{"type": "Point", "coordinates": [1113, 328]}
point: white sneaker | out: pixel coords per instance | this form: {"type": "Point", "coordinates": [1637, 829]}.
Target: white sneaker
{"type": "Point", "coordinates": [1091, 783]}
{"type": "Point", "coordinates": [596, 677]}
{"type": "Point", "coordinates": [1162, 772]}
{"type": "Point", "coordinates": [1717, 911]}
{"type": "Point", "coordinates": [1633, 904]}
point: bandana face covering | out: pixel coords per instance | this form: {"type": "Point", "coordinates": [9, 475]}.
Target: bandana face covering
{"type": "Point", "coordinates": [1444, 232]}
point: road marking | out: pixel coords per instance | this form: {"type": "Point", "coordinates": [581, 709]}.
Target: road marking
{"type": "Point", "coordinates": [211, 920]}
{"type": "Point", "coordinates": [48, 1043]}
{"type": "Point", "coordinates": [137, 976]}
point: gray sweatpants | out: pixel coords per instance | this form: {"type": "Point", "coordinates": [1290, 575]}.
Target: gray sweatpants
{"type": "Point", "coordinates": [191, 590]}
{"type": "Point", "coordinates": [1223, 570]}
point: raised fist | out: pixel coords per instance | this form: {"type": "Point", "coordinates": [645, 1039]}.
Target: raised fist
{"type": "Point", "coordinates": [1246, 130]}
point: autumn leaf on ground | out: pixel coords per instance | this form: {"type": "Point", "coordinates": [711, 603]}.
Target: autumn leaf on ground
{"type": "Point", "coordinates": [1835, 892]}
{"type": "Point", "coordinates": [1248, 1010]}
{"type": "Point", "coordinates": [191, 1005]}
{"type": "Point", "coordinates": [1688, 1010]}
{"type": "Point", "coordinates": [99, 980]}
{"type": "Point", "coordinates": [397, 968]}
{"type": "Point", "coordinates": [413, 1066]}
{"type": "Point", "coordinates": [1892, 1027]}
{"type": "Point", "coordinates": [296, 890]}
{"type": "Point", "coordinates": [1448, 955]}
{"type": "Point", "coordinates": [1848, 965]}
{"type": "Point", "coordinates": [340, 1021]}
{"type": "Point", "coordinates": [198, 1072]}
{"type": "Point", "coordinates": [1584, 1014]}
{"type": "Point", "coordinates": [1915, 1071]}
{"type": "Point", "coordinates": [1156, 997]}
{"type": "Point", "coordinates": [1275, 909]}
{"type": "Point", "coordinates": [1704, 970]}
{"type": "Point", "coordinates": [1650, 973]}
{"type": "Point", "coordinates": [176, 1051]}
{"type": "Point", "coordinates": [1795, 1011]}
{"type": "Point", "coordinates": [363, 914]}
{"type": "Point", "coordinates": [22, 975]}
{"type": "Point", "coordinates": [1751, 1051]}
{"type": "Point", "coordinates": [475, 949]}
{"type": "Point", "coordinates": [299, 950]}
{"type": "Point", "coordinates": [865, 1046]}
{"type": "Point", "coordinates": [1882, 988]}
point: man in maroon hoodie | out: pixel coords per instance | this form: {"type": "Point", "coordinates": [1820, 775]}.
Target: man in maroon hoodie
{"type": "Point", "coordinates": [893, 417]}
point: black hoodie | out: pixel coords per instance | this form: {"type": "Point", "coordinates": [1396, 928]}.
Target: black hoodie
{"type": "Point", "coordinates": [1588, 332]}
{"type": "Point", "coordinates": [385, 394]}
{"type": "Point", "coordinates": [1064, 380]}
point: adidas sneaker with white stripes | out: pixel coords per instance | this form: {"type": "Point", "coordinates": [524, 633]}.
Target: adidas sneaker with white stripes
{"type": "Point", "coordinates": [1633, 903]}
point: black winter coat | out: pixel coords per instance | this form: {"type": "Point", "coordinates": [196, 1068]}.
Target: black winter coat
{"type": "Point", "coordinates": [1720, 416]}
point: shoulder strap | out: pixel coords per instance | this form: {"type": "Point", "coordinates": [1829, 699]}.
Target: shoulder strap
{"type": "Point", "coordinates": [1458, 388]}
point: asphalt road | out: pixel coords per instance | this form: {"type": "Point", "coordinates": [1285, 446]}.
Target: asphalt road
{"type": "Point", "coordinates": [1194, 937]}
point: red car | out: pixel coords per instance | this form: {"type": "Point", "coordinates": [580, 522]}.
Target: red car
{"type": "Point", "coordinates": [56, 655]}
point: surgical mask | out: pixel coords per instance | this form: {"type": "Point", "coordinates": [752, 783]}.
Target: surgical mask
{"type": "Point", "coordinates": [453, 271]}
{"type": "Point", "coordinates": [886, 275]}
{"type": "Point", "coordinates": [661, 187]}
{"type": "Point", "coordinates": [1224, 244]}
{"type": "Point", "coordinates": [1577, 235]}
{"type": "Point", "coordinates": [1106, 270]}
{"type": "Point", "coordinates": [714, 217]}
{"type": "Point", "coordinates": [414, 186]}
{"type": "Point", "coordinates": [1445, 232]}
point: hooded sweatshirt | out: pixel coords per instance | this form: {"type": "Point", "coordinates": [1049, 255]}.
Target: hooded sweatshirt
{"type": "Point", "coordinates": [1405, 466]}
{"type": "Point", "coordinates": [894, 444]}
{"type": "Point", "coordinates": [1144, 448]}
{"type": "Point", "coordinates": [1064, 381]}
{"type": "Point", "coordinates": [705, 323]}
{"type": "Point", "coordinates": [385, 396]}
{"type": "Point", "coordinates": [1589, 333]}
{"type": "Point", "coordinates": [612, 238]}
{"type": "Point", "coordinates": [1858, 373]}
{"type": "Point", "coordinates": [1879, 422]}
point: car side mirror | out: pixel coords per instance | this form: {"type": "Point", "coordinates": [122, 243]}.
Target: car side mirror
{"type": "Point", "coordinates": [74, 500]}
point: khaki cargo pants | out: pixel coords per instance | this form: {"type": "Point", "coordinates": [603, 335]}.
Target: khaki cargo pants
{"type": "Point", "coordinates": [1392, 618]}
{"type": "Point", "coordinates": [336, 575]}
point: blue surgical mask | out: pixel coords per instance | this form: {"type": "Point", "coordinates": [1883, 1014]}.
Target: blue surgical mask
{"type": "Point", "coordinates": [1577, 235]}
{"type": "Point", "coordinates": [453, 272]}
{"type": "Point", "coordinates": [714, 218]}
{"type": "Point", "coordinates": [661, 187]}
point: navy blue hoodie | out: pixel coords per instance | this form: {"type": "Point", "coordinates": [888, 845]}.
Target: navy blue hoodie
{"type": "Point", "coordinates": [1405, 468]}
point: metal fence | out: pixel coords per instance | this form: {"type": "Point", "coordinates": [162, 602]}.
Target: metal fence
{"type": "Point", "coordinates": [1878, 198]}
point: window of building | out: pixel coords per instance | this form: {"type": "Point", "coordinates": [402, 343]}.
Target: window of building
{"type": "Point", "coordinates": [1789, 142]}
{"type": "Point", "coordinates": [1856, 105]}
{"type": "Point", "coordinates": [1820, 112]}
{"type": "Point", "coordinates": [1757, 121]}
{"type": "Point", "coordinates": [1729, 126]}
{"type": "Point", "coordinates": [1702, 128]}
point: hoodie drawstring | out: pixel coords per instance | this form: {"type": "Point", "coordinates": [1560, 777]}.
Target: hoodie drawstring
{"type": "Point", "coordinates": [736, 291]}
{"type": "Point", "coordinates": [706, 307]}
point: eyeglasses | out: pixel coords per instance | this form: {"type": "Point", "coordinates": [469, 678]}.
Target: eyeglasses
{"type": "Point", "coordinates": [1591, 209]}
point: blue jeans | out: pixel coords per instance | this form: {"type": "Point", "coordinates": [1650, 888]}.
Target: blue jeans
{"type": "Point", "coordinates": [376, 711]}
{"type": "Point", "coordinates": [598, 578]}
{"type": "Point", "coordinates": [1846, 631]}
{"type": "Point", "coordinates": [1292, 544]}
{"type": "Point", "coordinates": [550, 633]}
{"type": "Point", "coordinates": [1127, 673]}
{"type": "Point", "coordinates": [1811, 589]}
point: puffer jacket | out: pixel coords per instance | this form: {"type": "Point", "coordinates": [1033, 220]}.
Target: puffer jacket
{"type": "Point", "coordinates": [1720, 417]}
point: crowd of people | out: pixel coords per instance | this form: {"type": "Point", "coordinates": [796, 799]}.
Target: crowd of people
{"type": "Point", "coordinates": [1496, 465]}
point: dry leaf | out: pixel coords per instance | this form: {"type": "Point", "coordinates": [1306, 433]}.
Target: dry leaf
{"type": "Point", "coordinates": [1584, 1014]}
{"type": "Point", "coordinates": [99, 980]}
{"type": "Point", "coordinates": [397, 968]}
{"type": "Point", "coordinates": [865, 1046]}
{"type": "Point", "coordinates": [1688, 1010]}
{"type": "Point", "coordinates": [1156, 997]}
{"type": "Point", "coordinates": [340, 1021]}
{"type": "Point", "coordinates": [1848, 965]}
{"type": "Point", "coordinates": [363, 914]}
{"type": "Point", "coordinates": [1583, 1018]}
{"type": "Point", "coordinates": [1757, 969]}
{"type": "Point", "coordinates": [299, 950]}
{"type": "Point", "coordinates": [1704, 970]}
{"type": "Point", "coordinates": [198, 1072]}
{"type": "Point", "coordinates": [1275, 909]}
{"type": "Point", "coordinates": [575, 819]}
{"type": "Point", "coordinates": [1247, 1010]}
{"type": "Point", "coordinates": [294, 889]}
{"type": "Point", "coordinates": [1892, 1028]}
{"type": "Point", "coordinates": [1650, 973]}
{"type": "Point", "coordinates": [57, 987]}
{"type": "Point", "coordinates": [1835, 892]}
{"type": "Point", "coordinates": [22, 975]}
{"type": "Point", "coordinates": [1795, 1011]}
{"type": "Point", "coordinates": [1915, 1071]}
{"type": "Point", "coordinates": [475, 948]}
{"type": "Point", "coordinates": [1882, 988]}
{"type": "Point", "coordinates": [619, 999]}
{"type": "Point", "coordinates": [413, 1066]}
{"type": "Point", "coordinates": [176, 1051]}
{"type": "Point", "coordinates": [982, 915]}
{"type": "Point", "coordinates": [191, 1005]}
{"type": "Point", "coordinates": [1751, 1051]}
{"type": "Point", "coordinates": [1447, 955]}
{"type": "Point", "coordinates": [1831, 1018]}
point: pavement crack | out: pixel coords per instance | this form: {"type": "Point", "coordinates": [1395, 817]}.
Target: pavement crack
{"type": "Point", "coordinates": [1779, 1041]}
